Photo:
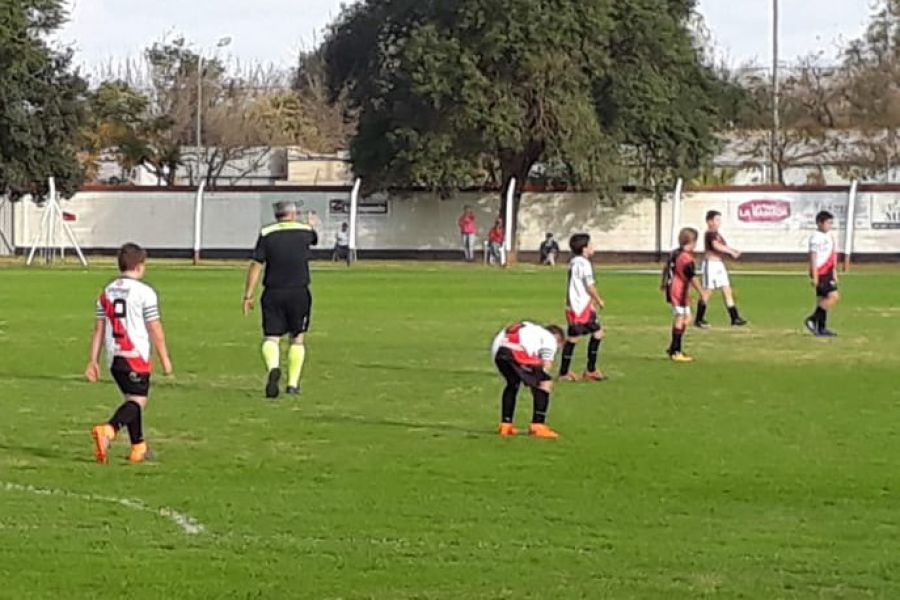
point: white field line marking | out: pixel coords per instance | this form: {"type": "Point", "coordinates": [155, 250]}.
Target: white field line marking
{"type": "Point", "coordinates": [754, 273]}
{"type": "Point", "coordinates": [187, 523]}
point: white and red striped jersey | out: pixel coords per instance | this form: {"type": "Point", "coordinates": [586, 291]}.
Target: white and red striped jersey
{"type": "Point", "coordinates": [579, 307]}
{"type": "Point", "coordinates": [530, 344]}
{"type": "Point", "coordinates": [822, 244]}
{"type": "Point", "coordinates": [127, 305]}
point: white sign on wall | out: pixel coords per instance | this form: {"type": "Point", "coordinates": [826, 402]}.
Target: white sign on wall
{"type": "Point", "coordinates": [885, 212]}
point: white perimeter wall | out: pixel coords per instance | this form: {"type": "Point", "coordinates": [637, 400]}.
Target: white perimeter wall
{"type": "Point", "coordinates": [757, 222]}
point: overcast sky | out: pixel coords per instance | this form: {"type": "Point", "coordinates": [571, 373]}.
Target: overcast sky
{"type": "Point", "coordinates": [272, 31]}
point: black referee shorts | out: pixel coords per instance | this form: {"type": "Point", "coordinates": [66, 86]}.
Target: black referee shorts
{"type": "Point", "coordinates": [286, 311]}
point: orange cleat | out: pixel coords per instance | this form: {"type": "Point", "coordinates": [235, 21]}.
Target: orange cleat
{"type": "Point", "coordinates": [139, 453]}
{"type": "Point", "coordinates": [103, 435]}
{"type": "Point", "coordinates": [593, 376]}
{"type": "Point", "coordinates": [569, 377]}
{"type": "Point", "coordinates": [540, 430]}
{"type": "Point", "coordinates": [507, 430]}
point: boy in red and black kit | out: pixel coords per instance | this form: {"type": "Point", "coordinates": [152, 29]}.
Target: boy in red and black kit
{"type": "Point", "coordinates": [679, 276]}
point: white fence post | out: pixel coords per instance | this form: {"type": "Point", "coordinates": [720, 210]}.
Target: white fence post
{"type": "Point", "coordinates": [198, 221]}
{"type": "Point", "coordinates": [354, 215]}
{"type": "Point", "coordinates": [676, 212]}
{"type": "Point", "coordinates": [509, 225]}
{"type": "Point", "coordinates": [850, 227]}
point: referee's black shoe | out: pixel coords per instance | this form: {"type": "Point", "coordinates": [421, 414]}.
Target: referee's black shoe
{"type": "Point", "coordinates": [272, 383]}
{"type": "Point", "coordinates": [292, 390]}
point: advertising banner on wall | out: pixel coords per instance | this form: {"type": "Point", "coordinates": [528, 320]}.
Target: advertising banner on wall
{"type": "Point", "coordinates": [794, 212]}
{"type": "Point", "coordinates": [885, 211]}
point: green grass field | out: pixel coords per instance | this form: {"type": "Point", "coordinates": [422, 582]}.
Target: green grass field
{"type": "Point", "coordinates": [768, 469]}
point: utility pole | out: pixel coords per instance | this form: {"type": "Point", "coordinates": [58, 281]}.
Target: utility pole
{"type": "Point", "coordinates": [201, 153]}
{"type": "Point", "coordinates": [774, 174]}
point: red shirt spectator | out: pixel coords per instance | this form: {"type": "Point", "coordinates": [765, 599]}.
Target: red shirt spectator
{"type": "Point", "coordinates": [467, 223]}
{"type": "Point", "coordinates": [495, 235]}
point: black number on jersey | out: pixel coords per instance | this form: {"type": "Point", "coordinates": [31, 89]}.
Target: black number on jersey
{"type": "Point", "coordinates": [120, 310]}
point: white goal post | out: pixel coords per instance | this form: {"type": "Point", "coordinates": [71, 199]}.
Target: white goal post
{"type": "Point", "coordinates": [53, 231]}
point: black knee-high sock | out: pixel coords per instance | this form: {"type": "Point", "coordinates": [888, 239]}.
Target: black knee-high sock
{"type": "Point", "coordinates": [701, 311]}
{"type": "Point", "coordinates": [593, 353]}
{"type": "Point", "coordinates": [733, 313]}
{"type": "Point", "coordinates": [677, 336]}
{"type": "Point", "coordinates": [136, 427]}
{"type": "Point", "coordinates": [508, 403]}
{"type": "Point", "coordinates": [125, 414]}
{"type": "Point", "coordinates": [820, 317]}
{"type": "Point", "coordinates": [541, 405]}
{"type": "Point", "coordinates": [568, 351]}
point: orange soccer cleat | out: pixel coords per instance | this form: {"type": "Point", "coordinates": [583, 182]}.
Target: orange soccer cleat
{"type": "Point", "coordinates": [103, 435]}
{"type": "Point", "coordinates": [541, 430]}
{"type": "Point", "coordinates": [139, 453]}
{"type": "Point", "coordinates": [593, 376]}
{"type": "Point", "coordinates": [569, 377]}
{"type": "Point", "coordinates": [507, 430]}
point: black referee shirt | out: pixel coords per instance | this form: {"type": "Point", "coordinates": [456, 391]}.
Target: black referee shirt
{"type": "Point", "coordinates": [284, 249]}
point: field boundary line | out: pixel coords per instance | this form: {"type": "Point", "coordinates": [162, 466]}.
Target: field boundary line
{"type": "Point", "coordinates": [734, 272]}
{"type": "Point", "coordinates": [185, 522]}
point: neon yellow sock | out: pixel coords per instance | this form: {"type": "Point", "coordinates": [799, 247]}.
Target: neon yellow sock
{"type": "Point", "coordinates": [296, 358]}
{"type": "Point", "coordinates": [271, 354]}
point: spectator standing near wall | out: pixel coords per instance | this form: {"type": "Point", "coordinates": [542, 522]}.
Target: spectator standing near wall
{"type": "Point", "coordinates": [342, 244]}
{"type": "Point", "coordinates": [467, 229]}
{"type": "Point", "coordinates": [495, 243]}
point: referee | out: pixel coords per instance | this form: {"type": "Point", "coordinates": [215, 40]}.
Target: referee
{"type": "Point", "coordinates": [283, 248]}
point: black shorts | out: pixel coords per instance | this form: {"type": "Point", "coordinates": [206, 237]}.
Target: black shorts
{"type": "Point", "coordinates": [516, 373]}
{"type": "Point", "coordinates": [286, 311]}
{"type": "Point", "coordinates": [827, 285]}
{"type": "Point", "coordinates": [582, 329]}
{"type": "Point", "coordinates": [130, 382]}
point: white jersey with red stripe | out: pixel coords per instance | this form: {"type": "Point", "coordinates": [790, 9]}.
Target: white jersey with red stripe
{"type": "Point", "coordinates": [822, 244]}
{"type": "Point", "coordinates": [530, 344]}
{"type": "Point", "coordinates": [128, 305]}
{"type": "Point", "coordinates": [579, 306]}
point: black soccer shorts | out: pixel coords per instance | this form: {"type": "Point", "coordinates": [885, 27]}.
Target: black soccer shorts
{"type": "Point", "coordinates": [130, 382]}
{"type": "Point", "coordinates": [514, 373]}
{"type": "Point", "coordinates": [583, 329]}
{"type": "Point", "coordinates": [827, 285]}
{"type": "Point", "coordinates": [286, 311]}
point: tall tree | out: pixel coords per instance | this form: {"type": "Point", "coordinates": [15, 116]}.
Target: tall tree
{"type": "Point", "coordinates": [872, 94]}
{"type": "Point", "coordinates": [41, 101]}
{"type": "Point", "coordinates": [452, 93]}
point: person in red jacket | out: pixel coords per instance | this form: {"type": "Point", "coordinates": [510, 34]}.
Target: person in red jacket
{"type": "Point", "coordinates": [495, 243]}
{"type": "Point", "coordinates": [467, 229]}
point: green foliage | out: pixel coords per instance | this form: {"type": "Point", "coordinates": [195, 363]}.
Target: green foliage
{"type": "Point", "coordinates": [41, 101]}
{"type": "Point", "coordinates": [465, 92]}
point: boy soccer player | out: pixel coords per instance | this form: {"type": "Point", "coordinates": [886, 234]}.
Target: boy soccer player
{"type": "Point", "coordinates": [128, 320]}
{"type": "Point", "coordinates": [822, 263]}
{"type": "Point", "coordinates": [715, 274]}
{"type": "Point", "coordinates": [679, 276]}
{"type": "Point", "coordinates": [524, 353]}
{"type": "Point", "coordinates": [582, 302]}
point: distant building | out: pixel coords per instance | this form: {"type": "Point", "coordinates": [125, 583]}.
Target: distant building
{"type": "Point", "coordinates": [310, 168]}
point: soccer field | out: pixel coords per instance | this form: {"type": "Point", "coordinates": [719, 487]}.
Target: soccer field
{"type": "Point", "coordinates": [767, 469]}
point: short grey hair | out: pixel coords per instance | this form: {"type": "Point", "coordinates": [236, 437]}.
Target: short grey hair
{"type": "Point", "coordinates": [284, 208]}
